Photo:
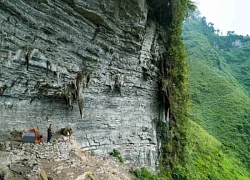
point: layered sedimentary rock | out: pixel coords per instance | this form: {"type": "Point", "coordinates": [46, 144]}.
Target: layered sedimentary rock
{"type": "Point", "coordinates": [89, 65]}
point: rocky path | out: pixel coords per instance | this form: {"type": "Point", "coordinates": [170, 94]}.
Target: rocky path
{"type": "Point", "coordinates": [60, 160]}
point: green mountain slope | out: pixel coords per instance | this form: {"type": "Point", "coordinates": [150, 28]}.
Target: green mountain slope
{"type": "Point", "coordinates": [220, 102]}
{"type": "Point", "coordinates": [239, 62]}
{"type": "Point", "coordinates": [207, 159]}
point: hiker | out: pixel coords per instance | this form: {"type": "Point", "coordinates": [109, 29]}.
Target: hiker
{"type": "Point", "coordinates": [40, 138]}
{"type": "Point", "coordinates": [49, 133]}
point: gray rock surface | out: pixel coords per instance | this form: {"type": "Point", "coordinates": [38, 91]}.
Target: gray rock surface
{"type": "Point", "coordinates": [25, 158]}
{"type": "Point", "coordinates": [63, 159]}
{"type": "Point", "coordinates": [44, 44]}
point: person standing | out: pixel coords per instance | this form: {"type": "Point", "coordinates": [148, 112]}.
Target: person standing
{"type": "Point", "coordinates": [49, 133]}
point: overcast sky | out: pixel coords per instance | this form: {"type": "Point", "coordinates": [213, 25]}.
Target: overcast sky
{"type": "Point", "coordinates": [227, 15]}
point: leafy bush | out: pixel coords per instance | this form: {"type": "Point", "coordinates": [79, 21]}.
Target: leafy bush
{"type": "Point", "coordinates": [144, 174]}
{"type": "Point", "coordinates": [65, 131]}
{"type": "Point", "coordinates": [116, 154]}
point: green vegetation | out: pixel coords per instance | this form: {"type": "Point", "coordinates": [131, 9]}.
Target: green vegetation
{"type": "Point", "coordinates": [207, 138]}
{"type": "Point", "coordinates": [173, 84]}
{"type": "Point", "coordinates": [212, 142]}
{"type": "Point", "coordinates": [2, 146]}
{"type": "Point", "coordinates": [217, 148]}
{"type": "Point", "coordinates": [65, 131]}
{"type": "Point", "coordinates": [117, 154]}
{"type": "Point", "coordinates": [92, 153]}
{"type": "Point", "coordinates": [207, 158]}
{"type": "Point", "coordinates": [239, 62]}
{"type": "Point", "coordinates": [144, 174]}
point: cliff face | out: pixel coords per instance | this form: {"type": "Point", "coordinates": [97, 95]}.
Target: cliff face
{"type": "Point", "coordinates": [85, 64]}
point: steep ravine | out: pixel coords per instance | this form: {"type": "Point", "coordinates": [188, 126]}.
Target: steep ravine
{"type": "Point", "coordinates": [97, 54]}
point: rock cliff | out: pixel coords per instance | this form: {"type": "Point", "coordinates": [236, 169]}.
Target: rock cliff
{"type": "Point", "coordinates": [89, 65]}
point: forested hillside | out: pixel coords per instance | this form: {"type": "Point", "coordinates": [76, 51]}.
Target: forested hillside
{"type": "Point", "coordinates": [219, 130]}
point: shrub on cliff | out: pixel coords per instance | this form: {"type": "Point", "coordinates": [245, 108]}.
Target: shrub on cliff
{"type": "Point", "coordinates": [65, 131]}
{"type": "Point", "coordinates": [117, 154]}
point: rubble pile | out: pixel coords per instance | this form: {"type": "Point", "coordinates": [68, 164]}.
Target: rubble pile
{"type": "Point", "coordinates": [60, 159]}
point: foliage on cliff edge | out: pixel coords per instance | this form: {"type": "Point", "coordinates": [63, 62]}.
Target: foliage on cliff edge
{"type": "Point", "coordinates": [173, 84]}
